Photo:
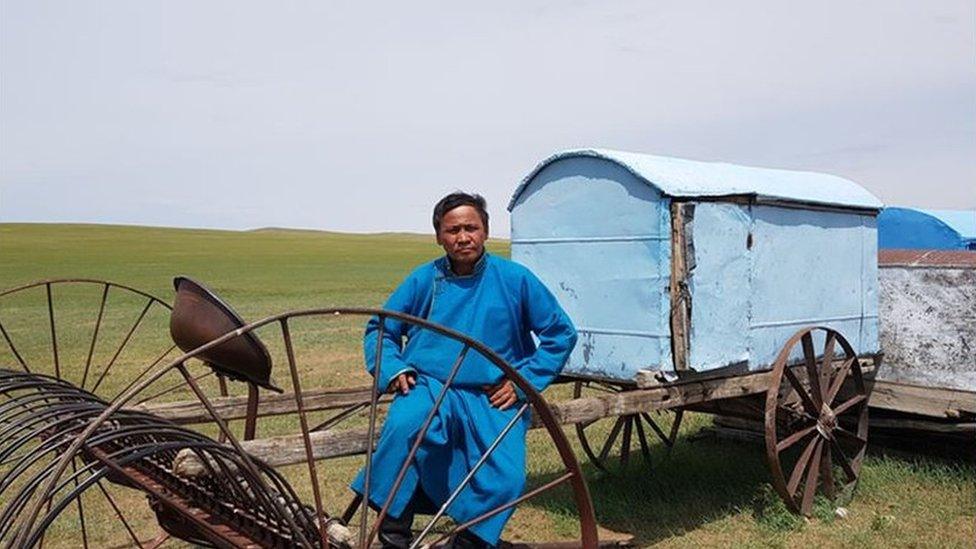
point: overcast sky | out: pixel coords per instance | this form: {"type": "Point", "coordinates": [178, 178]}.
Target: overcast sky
{"type": "Point", "coordinates": [357, 116]}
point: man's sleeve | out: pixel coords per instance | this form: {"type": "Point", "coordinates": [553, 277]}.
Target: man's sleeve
{"type": "Point", "coordinates": [552, 327]}
{"type": "Point", "coordinates": [404, 300]}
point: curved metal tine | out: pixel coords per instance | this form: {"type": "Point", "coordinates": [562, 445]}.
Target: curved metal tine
{"type": "Point", "coordinates": [54, 334]}
{"type": "Point", "coordinates": [839, 380]}
{"type": "Point", "coordinates": [645, 449]}
{"type": "Point", "coordinates": [119, 514]}
{"type": "Point", "coordinates": [467, 479]}
{"type": "Point", "coordinates": [810, 485]}
{"type": "Point", "coordinates": [608, 445]}
{"type": "Point", "coordinates": [625, 447]}
{"type": "Point", "coordinates": [245, 457]}
{"type": "Point", "coordinates": [172, 388]}
{"type": "Point", "coordinates": [374, 398]}
{"type": "Point", "coordinates": [13, 348]}
{"type": "Point", "coordinates": [526, 496]}
{"type": "Point", "coordinates": [827, 364]}
{"type": "Point", "coordinates": [303, 421]}
{"type": "Point", "coordinates": [813, 376]}
{"type": "Point", "coordinates": [334, 420]}
{"type": "Point", "coordinates": [801, 466]}
{"type": "Point", "coordinates": [144, 372]}
{"type": "Point", "coordinates": [418, 439]}
{"type": "Point", "coordinates": [66, 417]}
{"type": "Point", "coordinates": [98, 325]}
{"type": "Point", "coordinates": [657, 430]}
{"type": "Point", "coordinates": [125, 342]}
{"type": "Point", "coordinates": [801, 391]}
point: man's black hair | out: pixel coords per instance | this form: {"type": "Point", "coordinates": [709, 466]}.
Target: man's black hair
{"type": "Point", "coordinates": [456, 199]}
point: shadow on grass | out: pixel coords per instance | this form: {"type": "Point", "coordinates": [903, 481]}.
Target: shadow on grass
{"type": "Point", "coordinates": [700, 481]}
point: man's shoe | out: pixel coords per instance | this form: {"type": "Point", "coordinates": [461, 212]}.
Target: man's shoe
{"type": "Point", "coordinates": [395, 533]}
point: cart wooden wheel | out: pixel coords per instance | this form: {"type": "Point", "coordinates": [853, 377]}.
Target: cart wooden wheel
{"type": "Point", "coordinates": [232, 498]}
{"type": "Point", "coordinates": [816, 419]}
{"type": "Point", "coordinates": [626, 433]}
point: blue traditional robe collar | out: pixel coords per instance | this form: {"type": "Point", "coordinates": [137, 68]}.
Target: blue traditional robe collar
{"type": "Point", "coordinates": [445, 271]}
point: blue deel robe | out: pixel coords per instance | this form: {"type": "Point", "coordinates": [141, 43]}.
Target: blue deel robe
{"type": "Point", "coordinates": [501, 304]}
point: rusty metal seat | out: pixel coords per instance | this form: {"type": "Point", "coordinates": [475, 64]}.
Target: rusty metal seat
{"type": "Point", "coordinates": [199, 316]}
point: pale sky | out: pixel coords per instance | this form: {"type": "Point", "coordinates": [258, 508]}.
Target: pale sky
{"type": "Point", "coordinates": [358, 116]}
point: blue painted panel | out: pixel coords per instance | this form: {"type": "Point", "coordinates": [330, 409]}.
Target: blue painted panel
{"type": "Point", "coordinates": [719, 284]}
{"type": "Point", "coordinates": [809, 269]}
{"type": "Point", "coordinates": [599, 238]}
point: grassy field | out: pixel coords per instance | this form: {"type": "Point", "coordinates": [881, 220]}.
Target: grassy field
{"type": "Point", "coordinates": [706, 492]}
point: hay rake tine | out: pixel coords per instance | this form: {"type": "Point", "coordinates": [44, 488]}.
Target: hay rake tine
{"type": "Point", "coordinates": [98, 325]}
{"type": "Point", "coordinates": [125, 342]}
{"type": "Point", "coordinates": [467, 479]}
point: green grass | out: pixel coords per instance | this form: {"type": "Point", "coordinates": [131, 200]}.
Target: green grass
{"type": "Point", "coordinates": [705, 492]}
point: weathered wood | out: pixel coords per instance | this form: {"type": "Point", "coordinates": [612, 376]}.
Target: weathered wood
{"type": "Point", "coordinates": [926, 401]}
{"type": "Point", "coordinates": [191, 412]}
{"type": "Point", "coordinates": [680, 296]}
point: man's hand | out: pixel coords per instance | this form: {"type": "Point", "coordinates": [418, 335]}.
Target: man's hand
{"type": "Point", "coordinates": [503, 395]}
{"type": "Point", "coordinates": [403, 383]}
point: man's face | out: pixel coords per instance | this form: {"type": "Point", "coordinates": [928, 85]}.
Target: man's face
{"type": "Point", "coordinates": [462, 235]}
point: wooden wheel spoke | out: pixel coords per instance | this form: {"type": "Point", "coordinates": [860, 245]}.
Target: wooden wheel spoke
{"type": "Point", "coordinates": [801, 391]}
{"type": "Point", "coordinates": [847, 404]}
{"type": "Point", "coordinates": [794, 438]}
{"type": "Point", "coordinates": [625, 447]}
{"type": "Point", "coordinates": [654, 427]}
{"type": "Point", "coordinates": [813, 376]}
{"type": "Point", "coordinates": [645, 451]}
{"type": "Point", "coordinates": [605, 451]}
{"type": "Point", "coordinates": [845, 463]}
{"type": "Point", "coordinates": [838, 381]}
{"type": "Point", "coordinates": [826, 470]}
{"type": "Point", "coordinates": [801, 466]}
{"type": "Point", "coordinates": [810, 484]}
{"type": "Point", "coordinates": [827, 363]}
{"type": "Point", "coordinates": [860, 442]}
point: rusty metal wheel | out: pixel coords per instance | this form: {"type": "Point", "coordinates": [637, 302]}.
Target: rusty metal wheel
{"type": "Point", "coordinates": [229, 495]}
{"type": "Point", "coordinates": [816, 419]}
{"type": "Point", "coordinates": [630, 430]}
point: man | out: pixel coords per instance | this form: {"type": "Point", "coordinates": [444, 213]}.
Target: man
{"type": "Point", "coordinates": [499, 303]}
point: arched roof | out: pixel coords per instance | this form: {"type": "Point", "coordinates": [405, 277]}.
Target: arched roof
{"type": "Point", "coordinates": [688, 178]}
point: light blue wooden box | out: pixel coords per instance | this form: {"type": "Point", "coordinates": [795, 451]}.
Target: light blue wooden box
{"type": "Point", "coordinates": [768, 252]}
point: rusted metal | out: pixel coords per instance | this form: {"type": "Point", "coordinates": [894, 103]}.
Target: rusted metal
{"type": "Point", "coordinates": [199, 316]}
{"type": "Point", "coordinates": [824, 412]}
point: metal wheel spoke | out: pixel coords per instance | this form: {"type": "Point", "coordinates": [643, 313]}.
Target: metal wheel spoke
{"type": "Point", "coordinates": [94, 339]}
{"type": "Point", "coordinates": [810, 485]}
{"type": "Point", "coordinates": [838, 381]}
{"type": "Point", "coordinates": [13, 349]}
{"type": "Point", "coordinates": [371, 430]}
{"type": "Point", "coordinates": [847, 404]}
{"type": "Point", "coordinates": [526, 496]}
{"type": "Point", "coordinates": [813, 376]}
{"type": "Point", "coordinates": [801, 466]}
{"type": "Point", "coordinates": [119, 514]}
{"type": "Point", "coordinates": [54, 334]}
{"type": "Point", "coordinates": [174, 387]}
{"type": "Point", "coordinates": [794, 438]}
{"type": "Point", "coordinates": [125, 342]}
